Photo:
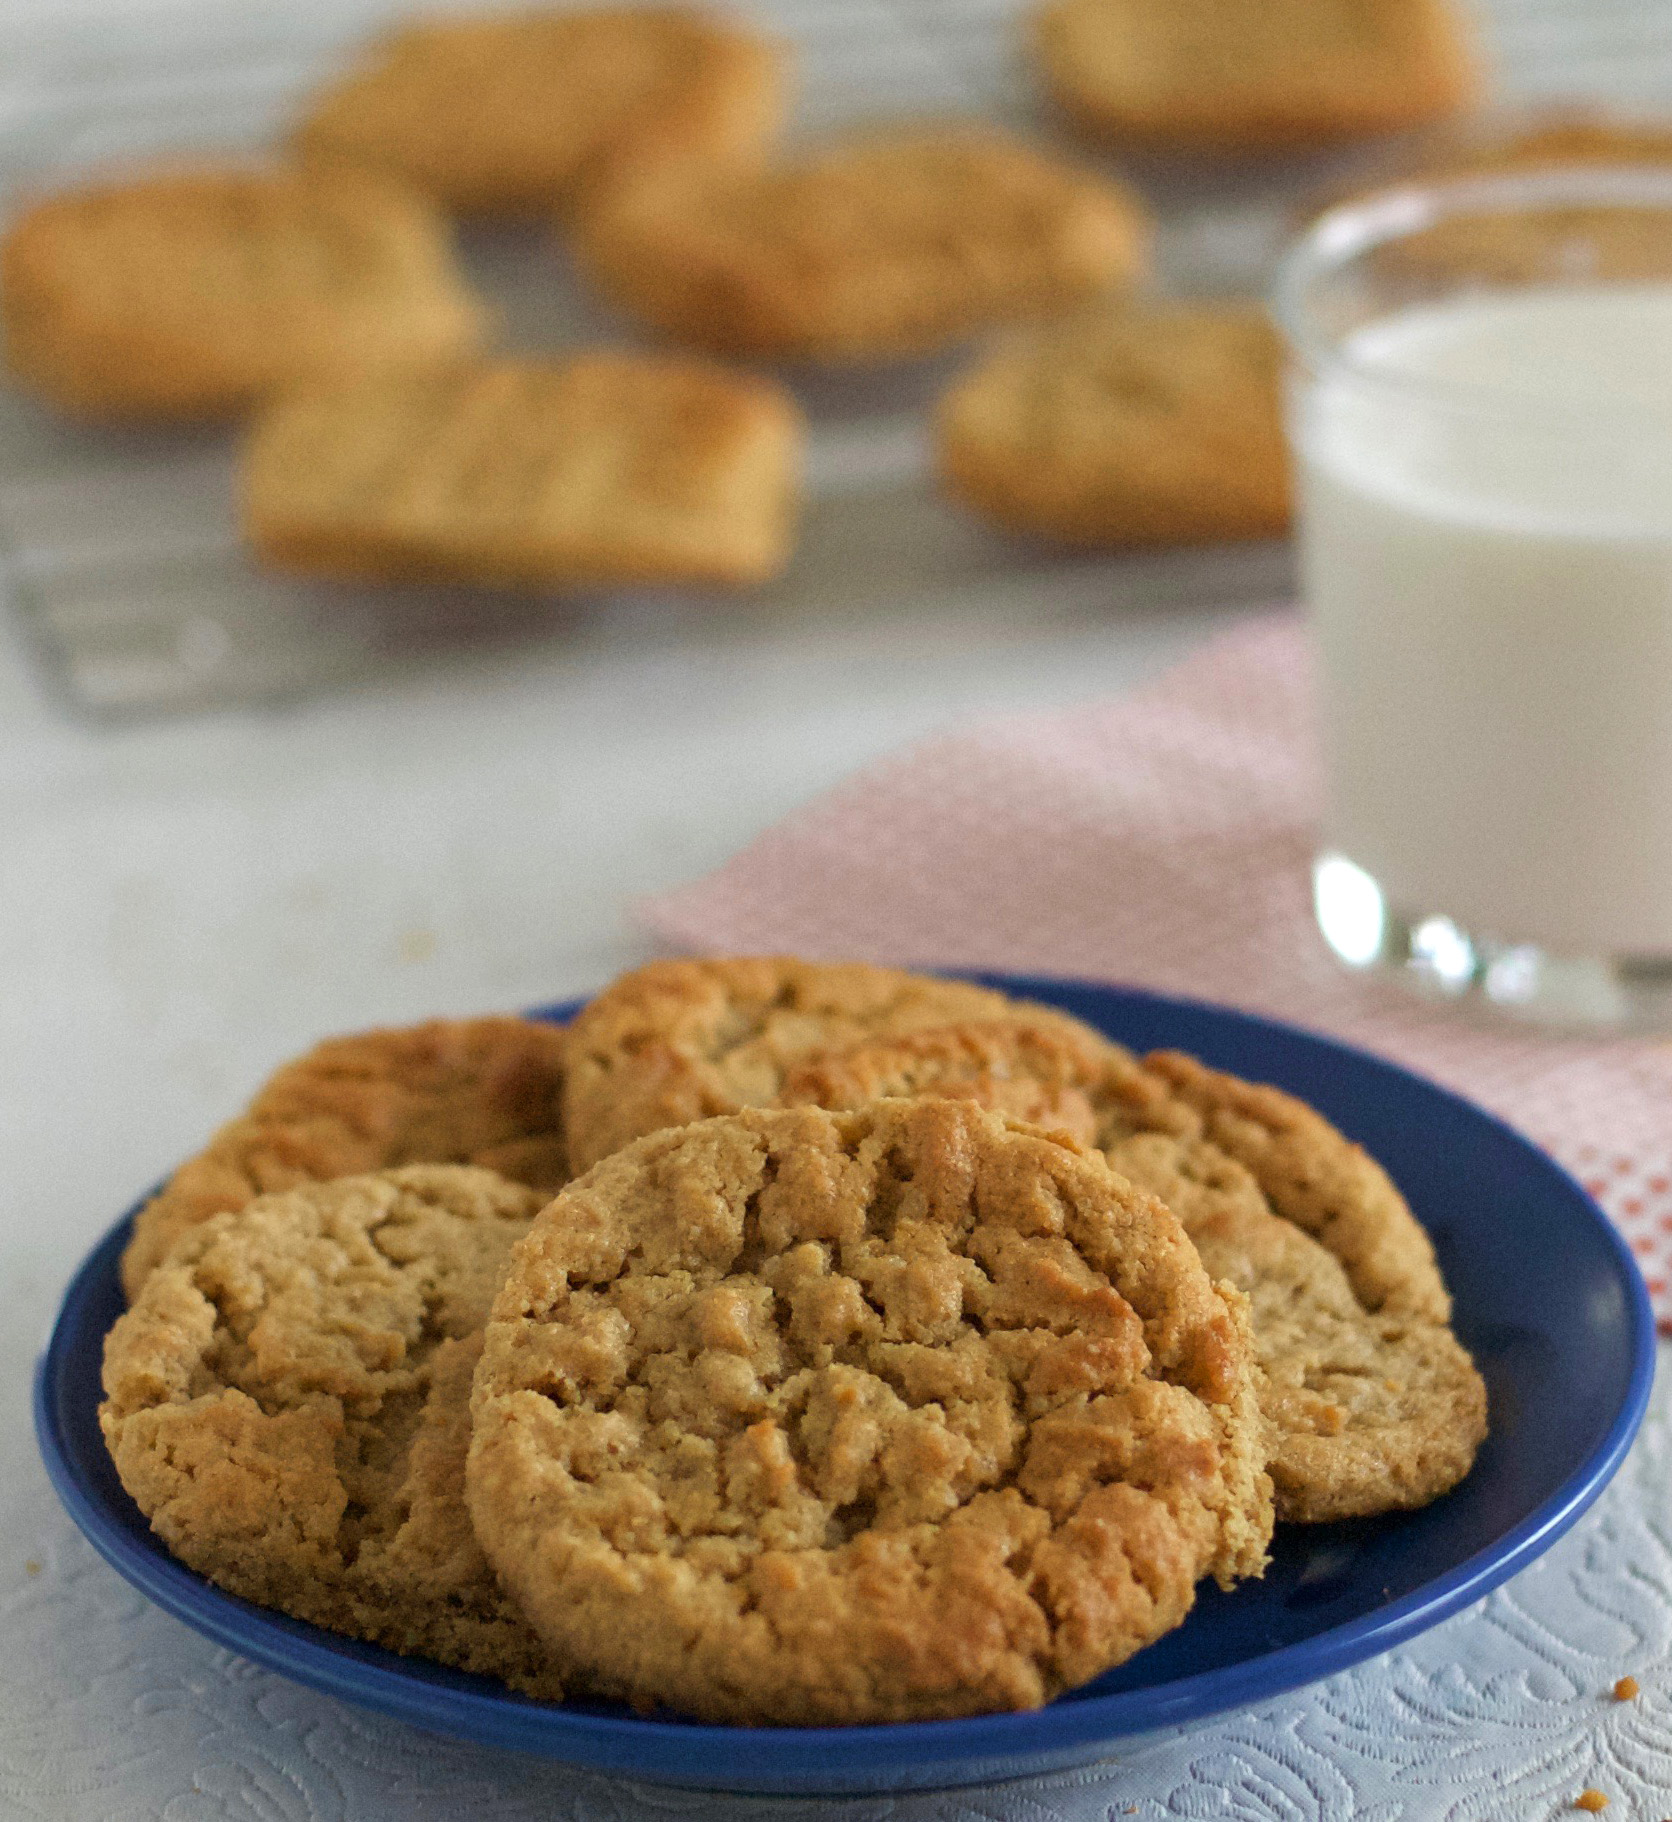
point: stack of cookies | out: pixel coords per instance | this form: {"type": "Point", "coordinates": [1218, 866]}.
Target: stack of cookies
{"type": "Point", "coordinates": [780, 1342]}
{"type": "Point", "coordinates": [321, 297]}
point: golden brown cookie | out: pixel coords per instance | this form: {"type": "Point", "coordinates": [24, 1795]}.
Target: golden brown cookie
{"type": "Point", "coordinates": [452, 1091]}
{"type": "Point", "coordinates": [603, 468]}
{"type": "Point", "coordinates": [1317, 1178]}
{"type": "Point", "coordinates": [518, 113]}
{"type": "Point", "coordinates": [877, 245]}
{"type": "Point", "coordinates": [1371, 1410]}
{"type": "Point", "coordinates": [1374, 1404]}
{"type": "Point", "coordinates": [1556, 240]}
{"type": "Point", "coordinates": [196, 293]}
{"type": "Point", "coordinates": [679, 1040]}
{"type": "Point", "coordinates": [1152, 426]}
{"type": "Point", "coordinates": [1537, 139]}
{"type": "Point", "coordinates": [1559, 140]}
{"type": "Point", "coordinates": [1048, 1075]}
{"type": "Point", "coordinates": [790, 1416]}
{"type": "Point", "coordinates": [1253, 74]}
{"type": "Point", "coordinates": [288, 1404]}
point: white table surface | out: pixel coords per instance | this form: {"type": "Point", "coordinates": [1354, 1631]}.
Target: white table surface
{"type": "Point", "coordinates": [184, 904]}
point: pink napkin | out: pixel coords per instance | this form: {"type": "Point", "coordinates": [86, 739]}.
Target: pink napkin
{"type": "Point", "coordinates": [1163, 840]}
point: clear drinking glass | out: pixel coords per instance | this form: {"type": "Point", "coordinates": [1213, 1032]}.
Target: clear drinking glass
{"type": "Point", "coordinates": [1480, 408]}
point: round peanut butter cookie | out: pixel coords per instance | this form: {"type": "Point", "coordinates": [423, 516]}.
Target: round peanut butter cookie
{"type": "Point", "coordinates": [800, 1417]}
{"type": "Point", "coordinates": [875, 246]}
{"type": "Point", "coordinates": [1158, 425]}
{"type": "Point", "coordinates": [288, 1404]}
{"type": "Point", "coordinates": [452, 1091]}
{"type": "Point", "coordinates": [520, 113]}
{"type": "Point", "coordinates": [1374, 1404]}
{"type": "Point", "coordinates": [1317, 1178]}
{"type": "Point", "coordinates": [677, 1041]}
{"type": "Point", "coordinates": [1371, 1410]}
{"type": "Point", "coordinates": [1234, 75]}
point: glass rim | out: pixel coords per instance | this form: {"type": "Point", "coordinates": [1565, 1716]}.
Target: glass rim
{"type": "Point", "coordinates": [1349, 230]}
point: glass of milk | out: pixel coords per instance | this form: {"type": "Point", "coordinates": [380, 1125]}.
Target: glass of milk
{"type": "Point", "coordinates": [1481, 413]}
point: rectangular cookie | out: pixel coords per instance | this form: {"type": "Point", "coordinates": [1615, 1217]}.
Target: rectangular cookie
{"type": "Point", "coordinates": [605, 468]}
{"type": "Point", "coordinates": [192, 293]}
{"type": "Point", "coordinates": [1252, 74]}
{"type": "Point", "coordinates": [874, 246]}
{"type": "Point", "coordinates": [516, 113]}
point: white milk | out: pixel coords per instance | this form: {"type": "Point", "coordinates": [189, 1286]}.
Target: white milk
{"type": "Point", "coordinates": [1491, 584]}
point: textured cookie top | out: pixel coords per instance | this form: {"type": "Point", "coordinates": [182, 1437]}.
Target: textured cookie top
{"type": "Point", "coordinates": [799, 1416]}
{"type": "Point", "coordinates": [679, 1040]}
{"type": "Point", "coordinates": [1371, 1410]}
{"type": "Point", "coordinates": [602, 468]}
{"type": "Point", "coordinates": [198, 291]}
{"type": "Point", "coordinates": [1061, 1076]}
{"type": "Point", "coordinates": [879, 244]}
{"type": "Point", "coordinates": [519, 112]}
{"type": "Point", "coordinates": [1311, 1174]}
{"type": "Point", "coordinates": [451, 1091]}
{"type": "Point", "coordinates": [1254, 72]}
{"type": "Point", "coordinates": [287, 1402]}
{"type": "Point", "coordinates": [1153, 425]}
{"type": "Point", "coordinates": [1373, 1403]}
{"type": "Point", "coordinates": [1317, 1178]}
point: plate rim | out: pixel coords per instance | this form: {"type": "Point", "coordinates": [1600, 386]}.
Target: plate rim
{"type": "Point", "coordinates": [759, 1759]}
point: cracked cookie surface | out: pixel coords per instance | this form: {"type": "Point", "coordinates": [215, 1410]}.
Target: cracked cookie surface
{"type": "Point", "coordinates": [288, 1404]}
{"type": "Point", "coordinates": [791, 1416]}
{"type": "Point", "coordinates": [677, 1041]}
{"type": "Point", "coordinates": [450, 1091]}
{"type": "Point", "coordinates": [1374, 1404]}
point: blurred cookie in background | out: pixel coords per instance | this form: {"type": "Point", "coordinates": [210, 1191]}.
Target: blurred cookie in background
{"type": "Point", "coordinates": [1232, 75]}
{"type": "Point", "coordinates": [876, 245]}
{"type": "Point", "coordinates": [1553, 236]}
{"type": "Point", "coordinates": [193, 293]}
{"type": "Point", "coordinates": [601, 468]}
{"type": "Point", "coordinates": [520, 113]}
{"type": "Point", "coordinates": [1539, 139]}
{"type": "Point", "coordinates": [1152, 425]}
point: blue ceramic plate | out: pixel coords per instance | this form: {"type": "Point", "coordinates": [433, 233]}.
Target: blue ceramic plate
{"type": "Point", "coordinates": [1547, 1296]}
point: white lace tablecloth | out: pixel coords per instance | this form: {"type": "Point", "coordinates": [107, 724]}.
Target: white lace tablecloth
{"type": "Point", "coordinates": [111, 1710]}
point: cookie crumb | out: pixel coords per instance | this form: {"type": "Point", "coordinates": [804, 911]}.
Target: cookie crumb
{"type": "Point", "coordinates": [1592, 1800]}
{"type": "Point", "coordinates": [31, 1567]}
{"type": "Point", "coordinates": [1626, 1689]}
